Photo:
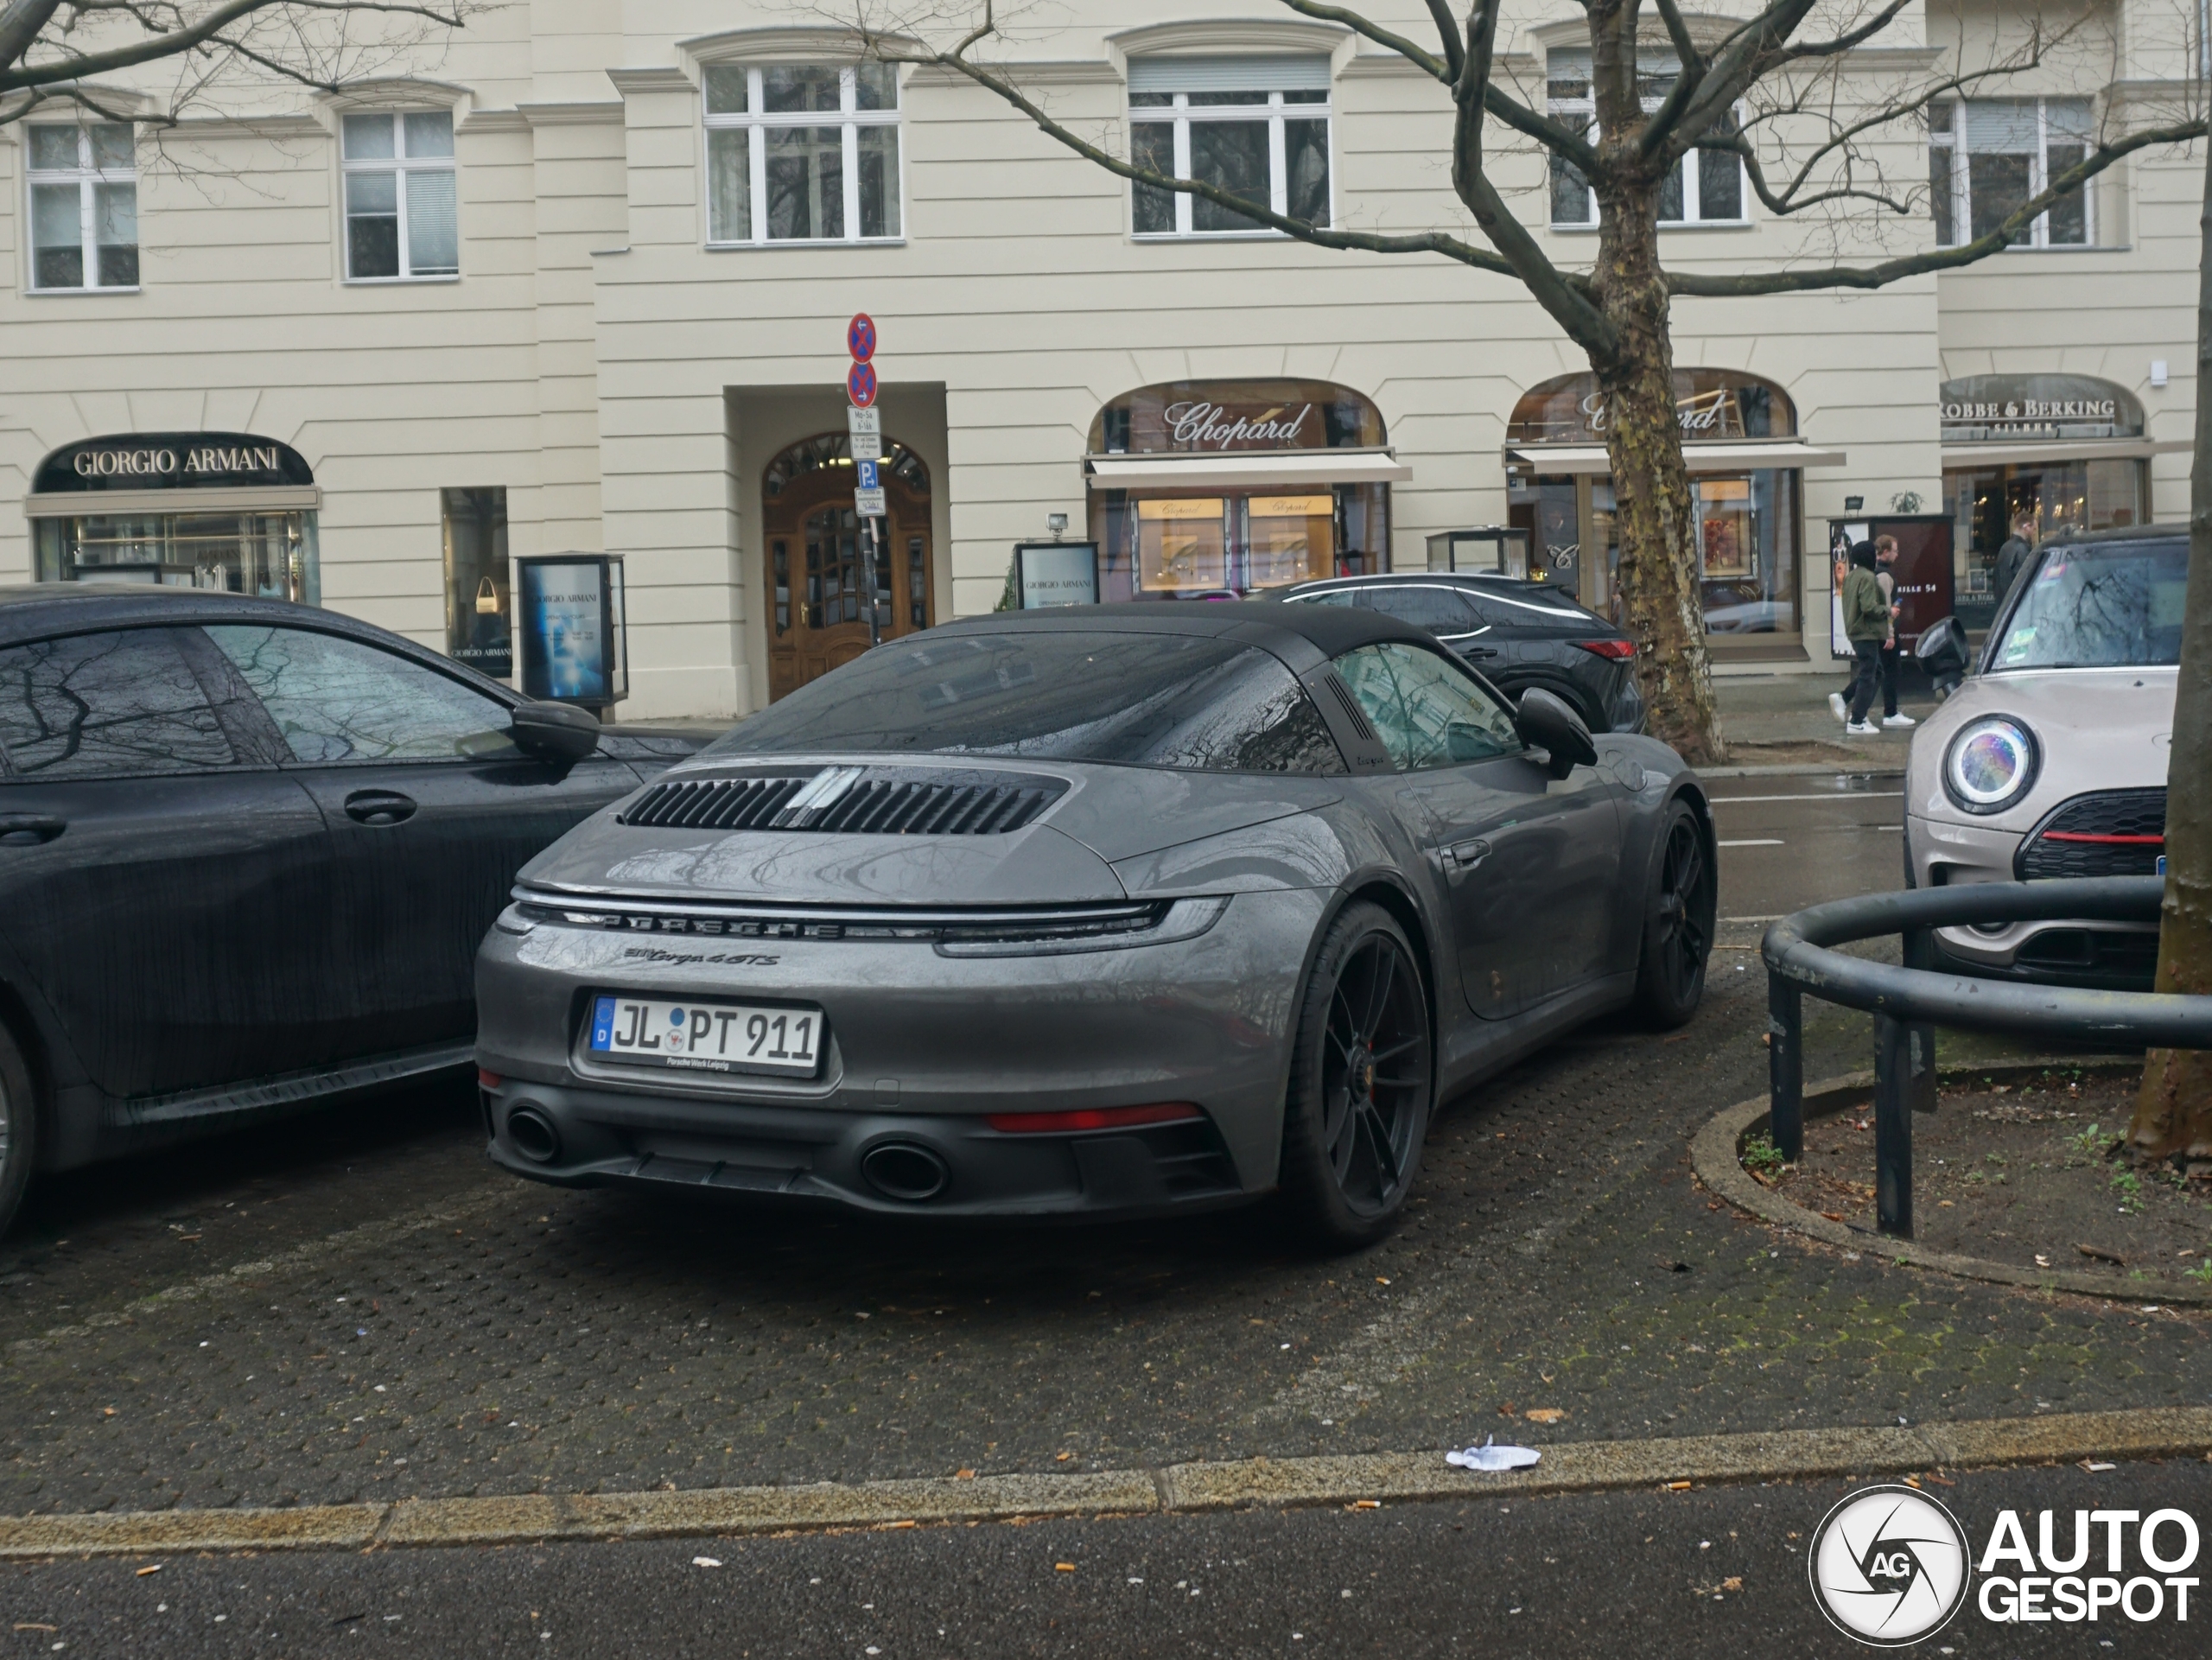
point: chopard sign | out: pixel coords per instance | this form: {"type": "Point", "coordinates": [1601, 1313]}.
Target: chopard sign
{"type": "Point", "coordinates": [1211, 426]}
{"type": "Point", "coordinates": [1703, 415]}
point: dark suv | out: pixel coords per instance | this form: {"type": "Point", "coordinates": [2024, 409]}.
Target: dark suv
{"type": "Point", "coordinates": [1516, 634]}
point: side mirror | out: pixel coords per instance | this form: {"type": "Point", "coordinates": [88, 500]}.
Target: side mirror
{"type": "Point", "coordinates": [556, 732]}
{"type": "Point", "coordinates": [1545, 722]}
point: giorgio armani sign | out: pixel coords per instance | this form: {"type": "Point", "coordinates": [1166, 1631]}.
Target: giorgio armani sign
{"type": "Point", "coordinates": [171, 461]}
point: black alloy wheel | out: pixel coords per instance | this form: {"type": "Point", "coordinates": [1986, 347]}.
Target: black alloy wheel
{"type": "Point", "coordinates": [18, 1128]}
{"type": "Point", "coordinates": [1678, 931]}
{"type": "Point", "coordinates": [1362, 1082]}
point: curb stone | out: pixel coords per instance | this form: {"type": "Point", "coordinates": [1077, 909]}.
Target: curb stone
{"type": "Point", "coordinates": [1572, 1467]}
{"type": "Point", "coordinates": [1716, 1155]}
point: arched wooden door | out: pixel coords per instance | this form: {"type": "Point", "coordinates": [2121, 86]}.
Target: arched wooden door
{"type": "Point", "coordinates": [824, 569]}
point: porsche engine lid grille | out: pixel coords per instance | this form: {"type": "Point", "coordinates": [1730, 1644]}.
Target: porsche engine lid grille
{"type": "Point", "coordinates": [2112, 833]}
{"type": "Point", "coordinates": [852, 801]}
{"type": "Point", "coordinates": [715, 804]}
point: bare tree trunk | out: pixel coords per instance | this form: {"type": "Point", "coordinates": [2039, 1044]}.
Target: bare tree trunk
{"type": "Point", "coordinates": [1651, 487]}
{"type": "Point", "coordinates": [2173, 1114]}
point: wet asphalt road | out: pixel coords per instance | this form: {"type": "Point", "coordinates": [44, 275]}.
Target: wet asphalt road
{"type": "Point", "coordinates": [1789, 842]}
{"type": "Point", "coordinates": [1716, 1571]}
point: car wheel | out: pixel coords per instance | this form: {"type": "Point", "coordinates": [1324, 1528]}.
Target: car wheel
{"type": "Point", "coordinates": [1678, 926]}
{"type": "Point", "coordinates": [18, 1128]}
{"type": "Point", "coordinates": [1361, 1082]}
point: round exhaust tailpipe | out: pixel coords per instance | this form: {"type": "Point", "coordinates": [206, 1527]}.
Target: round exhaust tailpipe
{"type": "Point", "coordinates": [905, 1171]}
{"type": "Point", "coordinates": [533, 1135]}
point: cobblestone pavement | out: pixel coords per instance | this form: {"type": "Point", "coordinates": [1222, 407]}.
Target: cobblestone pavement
{"type": "Point", "coordinates": [367, 1310]}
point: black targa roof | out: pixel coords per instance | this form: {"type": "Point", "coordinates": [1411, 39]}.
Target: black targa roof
{"type": "Point", "coordinates": [1331, 630]}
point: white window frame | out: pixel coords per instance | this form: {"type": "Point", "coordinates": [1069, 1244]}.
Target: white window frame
{"type": "Point", "coordinates": [1954, 140]}
{"type": "Point", "coordinates": [86, 176]}
{"type": "Point", "coordinates": [1569, 109]}
{"type": "Point", "coordinates": [402, 165]}
{"type": "Point", "coordinates": [846, 115]}
{"type": "Point", "coordinates": [1182, 113]}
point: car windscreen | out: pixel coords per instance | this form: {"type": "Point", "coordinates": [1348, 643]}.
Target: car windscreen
{"type": "Point", "coordinates": [1175, 701]}
{"type": "Point", "coordinates": [2097, 605]}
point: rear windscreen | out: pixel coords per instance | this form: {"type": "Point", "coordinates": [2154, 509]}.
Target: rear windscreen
{"type": "Point", "coordinates": [1142, 700]}
{"type": "Point", "coordinates": [2110, 605]}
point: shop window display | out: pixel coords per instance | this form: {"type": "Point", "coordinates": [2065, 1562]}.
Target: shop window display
{"type": "Point", "coordinates": [1193, 544]}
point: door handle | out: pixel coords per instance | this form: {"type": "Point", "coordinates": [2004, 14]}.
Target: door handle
{"type": "Point", "coordinates": [1468, 855]}
{"type": "Point", "coordinates": [380, 807]}
{"type": "Point", "coordinates": [26, 829]}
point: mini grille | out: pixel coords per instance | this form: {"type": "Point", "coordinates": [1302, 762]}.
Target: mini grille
{"type": "Point", "coordinates": [2114, 833]}
{"type": "Point", "coordinates": [852, 801]}
{"type": "Point", "coordinates": [714, 804]}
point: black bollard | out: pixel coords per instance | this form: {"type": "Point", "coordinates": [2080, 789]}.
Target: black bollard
{"type": "Point", "coordinates": [1785, 1066]}
{"type": "Point", "coordinates": [1920, 953]}
{"type": "Point", "coordinates": [1893, 1087]}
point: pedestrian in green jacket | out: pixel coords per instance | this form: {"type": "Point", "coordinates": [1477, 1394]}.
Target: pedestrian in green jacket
{"type": "Point", "coordinates": [1866, 625]}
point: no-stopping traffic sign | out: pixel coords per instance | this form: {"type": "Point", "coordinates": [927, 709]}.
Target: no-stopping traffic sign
{"type": "Point", "coordinates": [860, 385]}
{"type": "Point", "coordinates": [860, 337]}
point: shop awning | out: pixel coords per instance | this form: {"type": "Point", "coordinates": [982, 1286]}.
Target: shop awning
{"type": "Point", "coordinates": [1550, 460]}
{"type": "Point", "coordinates": [237, 498]}
{"type": "Point", "coordinates": [2002, 454]}
{"type": "Point", "coordinates": [1246, 470]}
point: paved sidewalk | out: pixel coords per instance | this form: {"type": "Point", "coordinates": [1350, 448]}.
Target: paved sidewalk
{"type": "Point", "coordinates": [1776, 716]}
{"type": "Point", "coordinates": [469, 1333]}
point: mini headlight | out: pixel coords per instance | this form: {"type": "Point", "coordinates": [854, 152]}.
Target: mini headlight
{"type": "Point", "coordinates": [1991, 764]}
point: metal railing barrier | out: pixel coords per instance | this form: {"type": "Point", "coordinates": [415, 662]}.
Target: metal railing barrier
{"type": "Point", "coordinates": [1909, 1002]}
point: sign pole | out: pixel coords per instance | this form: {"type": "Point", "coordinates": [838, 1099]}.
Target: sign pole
{"type": "Point", "coordinates": [864, 425]}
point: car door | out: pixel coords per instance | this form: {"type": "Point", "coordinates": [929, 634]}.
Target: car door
{"type": "Point", "coordinates": [431, 810]}
{"type": "Point", "coordinates": [163, 885]}
{"type": "Point", "coordinates": [1442, 609]}
{"type": "Point", "coordinates": [1531, 863]}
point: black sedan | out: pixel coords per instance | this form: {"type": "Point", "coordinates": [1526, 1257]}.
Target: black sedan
{"type": "Point", "coordinates": [247, 850]}
{"type": "Point", "coordinates": [1516, 634]}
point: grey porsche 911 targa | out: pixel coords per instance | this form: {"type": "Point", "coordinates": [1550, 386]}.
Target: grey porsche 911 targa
{"type": "Point", "coordinates": [1096, 911]}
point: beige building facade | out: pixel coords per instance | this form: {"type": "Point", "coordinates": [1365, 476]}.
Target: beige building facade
{"type": "Point", "coordinates": [580, 282]}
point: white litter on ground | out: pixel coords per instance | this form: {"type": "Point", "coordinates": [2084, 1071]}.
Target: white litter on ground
{"type": "Point", "coordinates": [1491, 1456]}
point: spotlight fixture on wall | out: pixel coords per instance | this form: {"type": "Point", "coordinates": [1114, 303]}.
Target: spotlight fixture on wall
{"type": "Point", "coordinates": [1058, 524]}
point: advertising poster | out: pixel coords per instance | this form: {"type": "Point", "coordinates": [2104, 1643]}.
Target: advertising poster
{"type": "Point", "coordinates": [564, 611]}
{"type": "Point", "coordinates": [1058, 573]}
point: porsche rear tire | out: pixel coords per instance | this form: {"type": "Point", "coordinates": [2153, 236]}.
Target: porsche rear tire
{"type": "Point", "coordinates": [1678, 922]}
{"type": "Point", "coordinates": [1362, 1084]}
{"type": "Point", "coordinates": [18, 1128]}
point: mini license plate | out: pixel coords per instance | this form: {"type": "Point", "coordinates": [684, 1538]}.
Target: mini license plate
{"type": "Point", "coordinates": [706, 1037]}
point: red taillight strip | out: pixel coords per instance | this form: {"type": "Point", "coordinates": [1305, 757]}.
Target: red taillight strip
{"type": "Point", "coordinates": [488, 1080]}
{"type": "Point", "coordinates": [1046, 1123]}
{"type": "Point", "coordinates": [1615, 649]}
{"type": "Point", "coordinates": [2102, 840]}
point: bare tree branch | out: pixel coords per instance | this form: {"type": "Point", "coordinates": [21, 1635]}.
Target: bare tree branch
{"type": "Point", "coordinates": [185, 37]}
{"type": "Point", "coordinates": [891, 51]}
{"type": "Point", "coordinates": [1965, 254]}
{"type": "Point", "coordinates": [1498, 101]}
{"type": "Point", "coordinates": [1447, 28]}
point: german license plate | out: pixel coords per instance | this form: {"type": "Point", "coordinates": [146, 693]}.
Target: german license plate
{"type": "Point", "coordinates": [708, 1037]}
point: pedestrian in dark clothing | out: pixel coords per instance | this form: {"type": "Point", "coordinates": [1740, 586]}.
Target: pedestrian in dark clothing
{"type": "Point", "coordinates": [1866, 622]}
{"type": "Point", "coordinates": [2016, 553]}
{"type": "Point", "coordinates": [1885, 556]}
